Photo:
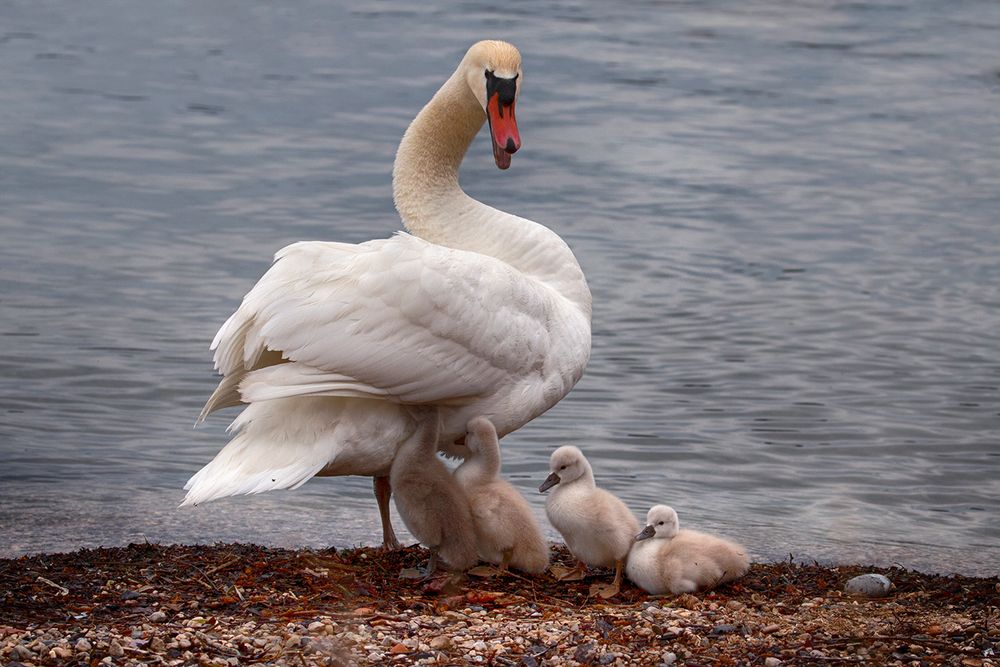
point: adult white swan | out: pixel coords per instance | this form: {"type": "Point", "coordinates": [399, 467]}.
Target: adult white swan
{"type": "Point", "coordinates": [476, 312]}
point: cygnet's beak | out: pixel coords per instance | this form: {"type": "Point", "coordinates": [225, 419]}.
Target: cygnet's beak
{"type": "Point", "coordinates": [646, 533]}
{"type": "Point", "coordinates": [549, 482]}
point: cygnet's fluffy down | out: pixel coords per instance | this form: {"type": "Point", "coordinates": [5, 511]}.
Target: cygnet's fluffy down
{"type": "Point", "coordinates": [598, 528]}
{"type": "Point", "coordinates": [668, 559]}
{"type": "Point", "coordinates": [506, 530]}
{"type": "Point", "coordinates": [430, 501]}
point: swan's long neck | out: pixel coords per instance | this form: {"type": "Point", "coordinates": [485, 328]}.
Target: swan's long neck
{"type": "Point", "coordinates": [425, 174]}
{"type": "Point", "coordinates": [434, 207]}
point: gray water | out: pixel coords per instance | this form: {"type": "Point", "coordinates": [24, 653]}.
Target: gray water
{"type": "Point", "coordinates": [787, 212]}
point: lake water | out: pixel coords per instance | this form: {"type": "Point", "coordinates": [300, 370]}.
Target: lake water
{"type": "Point", "coordinates": [789, 215]}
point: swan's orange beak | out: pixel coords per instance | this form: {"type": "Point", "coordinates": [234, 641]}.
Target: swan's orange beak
{"type": "Point", "coordinates": [500, 95]}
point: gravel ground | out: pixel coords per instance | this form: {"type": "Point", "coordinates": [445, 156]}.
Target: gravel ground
{"type": "Point", "coordinates": [243, 604]}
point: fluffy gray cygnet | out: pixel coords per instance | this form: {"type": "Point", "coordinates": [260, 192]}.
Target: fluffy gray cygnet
{"type": "Point", "coordinates": [430, 501]}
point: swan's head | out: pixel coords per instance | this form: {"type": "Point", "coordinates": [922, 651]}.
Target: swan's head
{"type": "Point", "coordinates": [481, 435]}
{"type": "Point", "coordinates": [661, 522]}
{"type": "Point", "coordinates": [565, 465]}
{"type": "Point", "coordinates": [493, 72]}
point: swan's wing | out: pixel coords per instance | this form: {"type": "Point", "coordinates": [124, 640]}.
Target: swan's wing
{"type": "Point", "coordinates": [398, 319]}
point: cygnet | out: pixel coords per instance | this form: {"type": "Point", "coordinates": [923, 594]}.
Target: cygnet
{"type": "Point", "coordinates": [668, 559]}
{"type": "Point", "coordinates": [430, 501]}
{"type": "Point", "coordinates": [506, 531]}
{"type": "Point", "coordinates": [598, 528]}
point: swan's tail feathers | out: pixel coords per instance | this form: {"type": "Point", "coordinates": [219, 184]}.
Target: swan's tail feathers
{"type": "Point", "coordinates": [226, 395]}
{"type": "Point", "coordinates": [272, 449]}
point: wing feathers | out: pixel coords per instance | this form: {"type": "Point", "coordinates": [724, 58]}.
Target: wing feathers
{"type": "Point", "coordinates": [397, 319]}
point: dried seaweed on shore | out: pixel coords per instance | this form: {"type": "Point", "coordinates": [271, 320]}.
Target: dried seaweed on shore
{"type": "Point", "coordinates": [244, 604]}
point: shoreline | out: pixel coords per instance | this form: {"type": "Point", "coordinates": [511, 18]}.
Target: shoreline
{"type": "Point", "coordinates": [229, 604]}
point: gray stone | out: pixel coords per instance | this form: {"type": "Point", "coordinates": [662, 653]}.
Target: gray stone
{"type": "Point", "coordinates": [869, 586]}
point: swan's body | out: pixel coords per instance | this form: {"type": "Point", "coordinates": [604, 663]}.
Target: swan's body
{"type": "Point", "coordinates": [666, 558]}
{"type": "Point", "coordinates": [597, 526]}
{"type": "Point", "coordinates": [506, 530]}
{"type": "Point", "coordinates": [430, 501]}
{"type": "Point", "coordinates": [475, 312]}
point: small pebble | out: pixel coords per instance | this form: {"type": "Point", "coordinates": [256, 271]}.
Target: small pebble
{"type": "Point", "coordinates": [61, 653]}
{"type": "Point", "coordinates": [115, 650]}
{"type": "Point", "coordinates": [868, 585]}
{"type": "Point", "coordinates": [157, 617]}
{"type": "Point", "coordinates": [772, 662]}
{"type": "Point", "coordinates": [21, 652]}
{"type": "Point", "coordinates": [82, 645]}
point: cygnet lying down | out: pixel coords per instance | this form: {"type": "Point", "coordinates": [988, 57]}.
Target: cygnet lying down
{"type": "Point", "coordinates": [665, 558]}
{"type": "Point", "coordinates": [598, 528]}
{"type": "Point", "coordinates": [430, 501]}
{"type": "Point", "coordinates": [506, 530]}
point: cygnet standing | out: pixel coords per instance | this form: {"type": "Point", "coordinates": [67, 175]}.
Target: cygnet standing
{"type": "Point", "coordinates": [598, 528]}
{"type": "Point", "coordinates": [430, 501]}
{"type": "Point", "coordinates": [506, 530]}
{"type": "Point", "coordinates": [666, 558]}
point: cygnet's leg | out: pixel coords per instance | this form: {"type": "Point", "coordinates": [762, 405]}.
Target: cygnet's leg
{"type": "Point", "coordinates": [422, 573]}
{"type": "Point", "coordinates": [505, 560]}
{"type": "Point", "coordinates": [432, 563]}
{"type": "Point", "coordinates": [382, 493]}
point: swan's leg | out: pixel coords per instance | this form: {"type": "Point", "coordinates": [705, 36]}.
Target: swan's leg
{"type": "Point", "coordinates": [382, 493]}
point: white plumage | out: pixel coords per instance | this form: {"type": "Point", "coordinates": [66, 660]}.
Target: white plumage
{"type": "Point", "coordinates": [475, 312]}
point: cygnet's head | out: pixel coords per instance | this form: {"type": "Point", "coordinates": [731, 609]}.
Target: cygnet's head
{"type": "Point", "coordinates": [566, 464]}
{"type": "Point", "coordinates": [661, 523]}
{"type": "Point", "coordinates": [480, 435]}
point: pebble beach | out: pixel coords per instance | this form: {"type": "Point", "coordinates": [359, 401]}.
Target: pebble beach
{"type": "Point", "coordinates": [234, 604]}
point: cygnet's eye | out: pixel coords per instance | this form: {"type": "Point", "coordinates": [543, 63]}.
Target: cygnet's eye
{"type": "Point", "coordinates": [562, 468]}
{"type": "Point", "coordinates": [660, 524]}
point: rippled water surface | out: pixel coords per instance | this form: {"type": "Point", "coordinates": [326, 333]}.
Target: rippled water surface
{"type": "Point", "coordinates": [789, 215]}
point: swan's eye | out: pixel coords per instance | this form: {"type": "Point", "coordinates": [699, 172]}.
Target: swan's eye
{"type": "Point", "coordinates": [660, 524]}
{"type": "Point", "coordinates": [490, 75]}
{"type": "Point", "coordinates": [562, 468]}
